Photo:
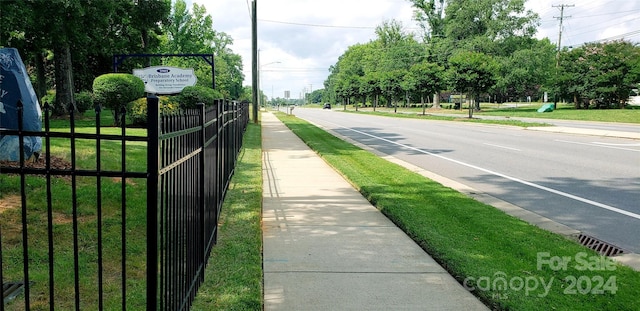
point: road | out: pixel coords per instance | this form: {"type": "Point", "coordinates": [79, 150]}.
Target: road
{"type": "Point", "coordinates": [589, 183]}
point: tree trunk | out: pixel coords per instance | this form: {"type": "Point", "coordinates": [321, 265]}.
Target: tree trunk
{"type": "Point", "coordinates": [394, 104]}
{"type": "Point", "coordinates": [41, 79]}
{"type": "Point", "coordinates": [436, 100]}
{"type": "Point", "coordinates": [375, 102]}
{"type": "Point", "coordinates": [145, 44]}
{"type": "Point", "coordinates": [64, 79]}
{"type": "Point", "coordinates": [406, 96]}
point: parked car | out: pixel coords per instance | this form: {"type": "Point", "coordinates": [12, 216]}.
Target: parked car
{"type": "Point", "coordinates": [326, 106]}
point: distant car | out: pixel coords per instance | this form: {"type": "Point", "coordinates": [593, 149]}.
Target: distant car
{"type": "Point", "coordinates": [326, 106]}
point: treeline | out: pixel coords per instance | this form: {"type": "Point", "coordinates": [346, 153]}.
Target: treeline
{"type": "Point", "coordinates": [485, 49]}
{"type": "Point", "coordinates": [66, 44]}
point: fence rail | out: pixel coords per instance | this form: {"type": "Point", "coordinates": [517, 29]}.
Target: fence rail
{"type": "Point", "coordinates": [102, 230]}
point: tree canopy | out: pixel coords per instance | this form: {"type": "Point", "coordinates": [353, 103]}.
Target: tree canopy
{"type": "Point", "coordinates": [68, 43]}
{"type": "Point", "coordinates": [485, 48]}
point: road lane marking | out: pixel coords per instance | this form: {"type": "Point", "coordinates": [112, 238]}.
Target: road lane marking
{"type": "Point", "coordinates": [596, 145]}
{"type": "Point", "coordinates": [518, 180]}
{"type": "Point", "coordinates": [610, 144]}
{"type": "Point", "coordinates": [504, 147]}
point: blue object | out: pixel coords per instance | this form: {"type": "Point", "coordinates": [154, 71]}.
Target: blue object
{"type": "Point", "coordinates": [546, 108]}
{"type": "Point", "coordinates": [15, 86]}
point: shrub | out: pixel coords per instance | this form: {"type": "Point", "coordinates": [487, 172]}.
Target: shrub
{"type": "Point", "coordinates": [137, 109]}
{"type": "Point", "coordinates": [49, 98]}
{"type": "Point", "coordinates": [84, 101]}
{"type": "Point", "coordinates": [192, 95]}
{"type": "Point", "coordinates": [115, 90]}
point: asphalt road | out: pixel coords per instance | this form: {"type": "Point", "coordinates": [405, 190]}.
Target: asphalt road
{"type": "Point", "coordinates": [588, 183]}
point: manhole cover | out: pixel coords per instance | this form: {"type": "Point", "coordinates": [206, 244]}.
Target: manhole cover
{"type": "Point", "coordinates": [599, 246]}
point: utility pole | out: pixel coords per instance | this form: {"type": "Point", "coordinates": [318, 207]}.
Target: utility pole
{"type": "Point", "coordinates": [561, 18]}
{"type": "Point", "coordinates": [254, 62]}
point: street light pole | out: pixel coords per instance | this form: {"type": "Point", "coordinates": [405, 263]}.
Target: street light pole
{"type": "Point", "coordinates": [254, 63]}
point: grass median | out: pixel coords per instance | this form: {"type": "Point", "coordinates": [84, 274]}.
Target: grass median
{"type": "Point", "coordinates": [506, 262]}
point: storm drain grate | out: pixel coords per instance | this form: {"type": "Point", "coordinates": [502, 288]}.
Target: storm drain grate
{"type": "Point", "coordinates": [10, 290]}
{"type": "Point", "coordinates": [599, 246]}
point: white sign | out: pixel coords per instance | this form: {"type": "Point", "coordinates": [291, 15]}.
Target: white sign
{"type": "Point", "coordinates": [166, 80]}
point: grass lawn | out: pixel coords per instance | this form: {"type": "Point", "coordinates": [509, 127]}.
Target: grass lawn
{"type": "Point", "coordinates": [61, 219]}
{"type": "Point", "coordinates": [461, 118]}
{"type": "Point", "coordinates": [563, 112]}
{"type": "Point", "coordinates": [509, 264]}
{"type": "Point", "coordinates": [567, 112]}
{"type": "Point", "coordinates": [234, 273]}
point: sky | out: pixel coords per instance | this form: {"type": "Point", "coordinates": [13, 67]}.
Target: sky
{"type": "Point", "coordinates": [298, 40]}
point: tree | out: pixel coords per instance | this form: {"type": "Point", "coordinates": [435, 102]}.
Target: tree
{"type": "Point", "coordinates": [95, 29]}
{"type": "Point", "coordinates": [601, 73]}
{"type": "Point", "coordinates": [524, 72]}
{"type": "Point", "coordinates": [191, 32]}
{"type": "Point", "coordinates": [365, 65]}
{"type": "Point", "coordinates": [115, 90]}
{"type": "Point", "coordinates": [396, 49]}
{"type": "Point", "coordinates": [473, 73]}
{"type": "Point", "coordinates": [478, 22]}
{"type": "Point", "coordinates": [371, 86]}
{"type": "Point", "coordinates": [426, 78]}
{"type": "Point", "coordinates": [390, 85]}
{"type": "Point", "coordinates": [316, 96]}
{"type": "Point", "coordinates": [493, 27]}
{"type": "Point", "coordinates": [430, 16]}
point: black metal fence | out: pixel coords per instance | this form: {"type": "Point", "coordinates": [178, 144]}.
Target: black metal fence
{"type": "Point", "coordinates": [127, 221]}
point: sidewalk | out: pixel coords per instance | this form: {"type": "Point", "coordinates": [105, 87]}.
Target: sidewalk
{"type": "Point", "coordinates": [327, 248]}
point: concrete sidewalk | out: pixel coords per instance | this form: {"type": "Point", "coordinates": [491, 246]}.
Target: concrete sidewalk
{"type": "Point", "coordinates": [327, 248]}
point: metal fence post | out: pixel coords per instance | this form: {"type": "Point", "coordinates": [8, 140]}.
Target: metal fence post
{"type": "Point", "coordinates": [202, 198]}
{"type": "Point", "coordinates": [153, 170]}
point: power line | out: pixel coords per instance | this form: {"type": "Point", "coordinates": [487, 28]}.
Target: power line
{"type": "Point", "coordinates": [561, 18]}
{"type": "Point", "coordinates": [316, 25]}
{"type": "Point", "coordinates": [326, 26]}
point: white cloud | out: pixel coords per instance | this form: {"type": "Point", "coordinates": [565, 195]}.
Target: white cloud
{"type": "Point", "coordinates": [289, 31]}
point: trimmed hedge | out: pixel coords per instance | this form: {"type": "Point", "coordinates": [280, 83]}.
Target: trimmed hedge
{"type": "Point", "coordinates": [137, 109]}
{"type": "Point", "coordinates": [115, 90]}
{"type": "Point", "coordinates": [192, 95]}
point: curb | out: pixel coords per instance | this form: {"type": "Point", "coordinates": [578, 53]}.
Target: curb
{"type": "Point", "coordinates": [631, 260]}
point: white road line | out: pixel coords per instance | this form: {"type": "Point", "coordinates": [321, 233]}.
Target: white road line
{"type": "Point", "coordinates": [595, 145]}
{"type": "Point", "coordinates": [518, 180]}
{"type": "Point", "coordinates": [609, 144]}
{"type": "Point", "coordinates": [504, 147]}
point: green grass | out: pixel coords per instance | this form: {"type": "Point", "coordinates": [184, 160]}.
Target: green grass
{"type": "Point", "coordinates": [234, 272]}
{"type": "Point", "coordinates": [461, 118]}
{"type": "Point", "coordinates": [473, 241]}
{"type": "Point", "coordinates": [233, 279]}
{"type": "Point", "coordinates": [566, 112]}
{"type": "Point", "coordinates": [86, 213]}
{"type": "Point", "coordinates": [563, 112]}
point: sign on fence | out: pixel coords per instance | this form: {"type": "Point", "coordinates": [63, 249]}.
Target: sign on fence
{"type": "Point", "coordinates": [165, 79]}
